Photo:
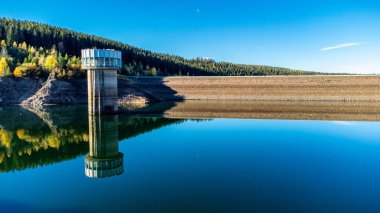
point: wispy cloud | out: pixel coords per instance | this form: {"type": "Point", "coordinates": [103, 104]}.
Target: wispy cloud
{"type": "Point", "coordinates": [338, 46]}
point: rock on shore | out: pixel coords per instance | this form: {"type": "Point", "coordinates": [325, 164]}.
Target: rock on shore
{"type": "Point", "coordinates": [14, 91]}
{"type": "Point", "coordinates": [53, 91]}
{"type": "Point", "coordinates": [59, 92]}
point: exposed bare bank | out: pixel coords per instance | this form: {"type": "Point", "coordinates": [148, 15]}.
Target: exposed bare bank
{"type": "Point", "coordinates": [278, 88]}
{"type": "Point", "coordinates": [142, 90]}
{"type": "Point", "coordinates": [51, 91]}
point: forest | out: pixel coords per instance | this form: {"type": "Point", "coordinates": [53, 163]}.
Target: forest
{"type": "Point", "coordinates": [34, 49]}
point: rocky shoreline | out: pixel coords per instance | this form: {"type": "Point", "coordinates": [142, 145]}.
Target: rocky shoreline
{"type": "Point", "coordinates": [53, 91]}
{"type": "Point", "coordinates": [140, 91]}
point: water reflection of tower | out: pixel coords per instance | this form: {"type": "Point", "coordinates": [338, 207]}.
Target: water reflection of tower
{"type": "Point", "coordinates": [104, 159]}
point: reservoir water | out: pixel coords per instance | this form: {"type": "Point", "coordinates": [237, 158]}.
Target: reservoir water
{"type": "Point", "coordinates": [62, 160]}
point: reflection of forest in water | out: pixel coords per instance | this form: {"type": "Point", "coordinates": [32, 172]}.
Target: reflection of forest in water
{"type": "Point", "coordinates": [30, 137]}
{"type": "Point", "coordinates": [33, 137]}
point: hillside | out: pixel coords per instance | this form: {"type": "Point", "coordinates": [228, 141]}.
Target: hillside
{"type": "Point", "coordinates": [137, 61]}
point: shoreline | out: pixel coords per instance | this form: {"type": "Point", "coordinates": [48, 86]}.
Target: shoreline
{"type": "Point", "coordinates": [277, 110]}
{"type": "Point", "coordinates": [147, 90]}
{"type": "Point", "coordinates": [268, 88]}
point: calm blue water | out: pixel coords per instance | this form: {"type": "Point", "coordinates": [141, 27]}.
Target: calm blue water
{"type": "Point", "coordinates": [172, 165]}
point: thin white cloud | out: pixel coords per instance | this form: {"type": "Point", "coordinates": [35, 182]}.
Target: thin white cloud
{"type": "Point", "coordinates": [338, 46]}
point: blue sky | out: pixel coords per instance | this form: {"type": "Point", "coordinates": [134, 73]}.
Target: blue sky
{"type": "Point", "coordinates": [323, 35]}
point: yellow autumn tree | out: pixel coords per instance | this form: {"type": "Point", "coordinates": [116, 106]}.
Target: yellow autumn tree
{"type": "Point", "coordinates": [85, 137]}
{"type": "Point", "coordinates": [53, 141]}
{"type": "Point", "coordinates": [24, 69]}
{"type": "Point", "coordinates": [24, 46]}
{"type": "Point", "coordinates": [50, 63]}
{"type": "Point", "coordinates": [6, 138]}
{"type": "Point", "coordinates": [17, 72]}
{"type": "Point", "coordinates": [20, 133]}
{"type": "Point", "coordinates": [4, 68]}
{"type": "Point", "coordinates": [74, 63]}
{"type": "Point", "coordinates": [32, 50]}
{"type": "Point", "coordinates": [29, 151]}
{"type": "Point", "coordinates": [1, 157]}
{"type": "Point", "coordinates": [3, 44]}
{"type": "Point", "coordinates": [14, 44]}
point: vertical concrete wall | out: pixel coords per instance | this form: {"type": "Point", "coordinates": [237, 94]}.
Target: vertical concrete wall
{"type": "Point", "coordinates": [102, 66]}
{"type": "Point", "coordinates": [102, 91]}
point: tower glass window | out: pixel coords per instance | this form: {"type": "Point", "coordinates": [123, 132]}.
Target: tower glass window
{"type": "Point", "coordinates": [93, 58]}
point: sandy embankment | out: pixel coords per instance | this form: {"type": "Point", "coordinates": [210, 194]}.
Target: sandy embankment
{"type": "Point", "coordinates": [278, 88]}
{"type": "Point", "coordinates": [295, 97]}
{"type": "Point", "coordinates": [140, 91]}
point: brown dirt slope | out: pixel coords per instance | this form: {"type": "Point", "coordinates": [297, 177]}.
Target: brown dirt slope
{"type": "Point", "coordinates": [278, 88]}
{"type": "Point", "coordinates": [144, 90]}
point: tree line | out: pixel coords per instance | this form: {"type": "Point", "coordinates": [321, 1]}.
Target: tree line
{"type": "Point", "coordinates": [22, 60]}
{"type": "Point", "coordinates": [61, 42]}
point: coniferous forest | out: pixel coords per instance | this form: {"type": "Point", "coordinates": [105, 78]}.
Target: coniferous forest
{"type": "Point", "coordinates": [33, 49]}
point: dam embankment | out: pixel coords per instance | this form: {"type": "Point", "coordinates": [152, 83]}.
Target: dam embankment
{"type": "Point", "coordinates": [273, 88]}
{"type": "Point", "coordinates": [142, 90]}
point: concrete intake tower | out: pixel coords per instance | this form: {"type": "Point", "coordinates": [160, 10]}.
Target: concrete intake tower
{"type": "Point", "coordinates": [104, 159]}
{"type": "Point", "coordinates": [102, 66]}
